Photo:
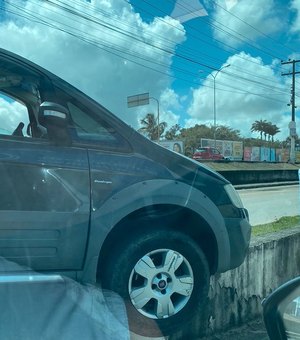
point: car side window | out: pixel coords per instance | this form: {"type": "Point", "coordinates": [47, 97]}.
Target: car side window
{"type": "Point", "coordinates": [14, 117]}
{"type": "Point", "coordinates": [89, 129]}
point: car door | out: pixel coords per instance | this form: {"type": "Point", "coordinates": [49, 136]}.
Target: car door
{"type": "Point", "coordinates": [45, 188]}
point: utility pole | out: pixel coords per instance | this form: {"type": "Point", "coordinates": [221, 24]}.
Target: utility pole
{"type": "Point", "coordinates": [215, 105]}
{"type": "Point", "coordinates": [292, 124]}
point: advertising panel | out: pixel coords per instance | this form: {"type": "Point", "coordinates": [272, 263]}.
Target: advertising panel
{"type": "Point", "coordinates": [175, 145]}
{"type": "Point", "coordinates": [237, 150]}
{"type": "Point", "coordinates": [264, 154]}
{"type": "Point", "coordinates": [282, 155]}
{"type": "Point", "coordinates": [255, 154]}
{"type": "Point", "coordinates": [229, 149]}
{"type": "Point", "coordinates": [247, 153]}
{"type": "Point", "coordinates": [207, 142]}
{"type": "Point", "coordinates": [272, 155]}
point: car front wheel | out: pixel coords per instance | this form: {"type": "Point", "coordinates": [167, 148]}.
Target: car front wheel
{"type": "Point", "coordinates": [163, 277]}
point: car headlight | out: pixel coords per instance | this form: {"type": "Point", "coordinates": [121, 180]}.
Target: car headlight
{"type": "Point", "coordinates": [233, 195]}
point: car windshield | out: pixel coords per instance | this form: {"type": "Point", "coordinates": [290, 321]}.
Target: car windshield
{"type": "Point", "coordinates": [149, 166]}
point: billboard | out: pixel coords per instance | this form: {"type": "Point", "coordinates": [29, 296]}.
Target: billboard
{"type": "Point", "coordinates": [237, 150]}
{"type": "Point", "coordinates": [175, 145]}
{"type": "Point", "coordinates": [247, 153]}
{"type": "Point", "coordinates": [255, 154]}
{"type": "Point", "coordinates": [264, 154]}
{"type": "Point", "coordinates": [229, 149]}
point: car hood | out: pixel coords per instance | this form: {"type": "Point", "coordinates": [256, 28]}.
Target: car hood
{"type": "Point", "coordinates": [180, 166]}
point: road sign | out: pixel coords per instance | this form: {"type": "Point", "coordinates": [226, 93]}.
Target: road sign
{"type": "Point", "coordinates": [138, 100]}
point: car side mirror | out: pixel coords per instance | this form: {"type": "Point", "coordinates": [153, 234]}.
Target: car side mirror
{"type": "Point", "coordinates": [55, 118]}
{"type": "Point", "coordinates": [53, 114]}
{"type": "Point", "coordinates": [281, 311]}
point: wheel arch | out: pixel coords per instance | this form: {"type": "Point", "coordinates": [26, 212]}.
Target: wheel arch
{"type": "Point", "coordinates": [172, 217]}
{"type": "Point", "coordinates": [165, 198]}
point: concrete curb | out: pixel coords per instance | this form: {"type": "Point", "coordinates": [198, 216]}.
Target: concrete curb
{"type": "Point", "coordinates": [235, 296]}
{"type": "Point", "coordinates": [262, 185]}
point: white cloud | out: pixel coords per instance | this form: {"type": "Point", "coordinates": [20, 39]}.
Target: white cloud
{"type": "Point", "coordinates": [260, 14]}
{"type": "Point", "coordinates": [230, 4]}
{"type": "Point", "coordinates": [169, 98]}
{"type": "Point", "coordinates": [110, 78]}
{"type": "Point", "coordinates": [170, 101]}
{"type": "Point", "coordinates": [295, 5]}
{"type": "Point", "coordinates": [107, 77]}
{"type": "Point", "coordinates": [238, 102]}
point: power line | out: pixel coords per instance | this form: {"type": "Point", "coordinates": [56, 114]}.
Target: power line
{"type": "Point", "coordinates": [110, 49]}
{"type": "Point", "coordinates": [251, 26]}
{"type": "Point", "coordinates": [226, 45]}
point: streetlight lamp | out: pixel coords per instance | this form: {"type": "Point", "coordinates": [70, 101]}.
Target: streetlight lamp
{"type": "Point", "coordinates": [215, 109]}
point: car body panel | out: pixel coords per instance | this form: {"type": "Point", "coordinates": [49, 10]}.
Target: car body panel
{"type": "Point", "coordinates": [44, 204]}
{"type": "Point", "coordinates": [153, 193]}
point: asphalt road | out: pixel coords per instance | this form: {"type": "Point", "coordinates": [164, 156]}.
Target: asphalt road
{"type": "Point", "coordinates": [270, 203]}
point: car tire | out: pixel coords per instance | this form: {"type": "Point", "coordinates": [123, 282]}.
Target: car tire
{"type": "Point", "coordinates": [163, 277]}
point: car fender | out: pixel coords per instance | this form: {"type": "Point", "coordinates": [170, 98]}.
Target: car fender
{"type": "Point", "coordinates": [148, 193]}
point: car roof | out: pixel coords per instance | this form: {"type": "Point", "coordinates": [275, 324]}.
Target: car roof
{"type": "Point", "coordinates": [29, 64]}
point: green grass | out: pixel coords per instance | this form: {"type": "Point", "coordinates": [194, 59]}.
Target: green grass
{"type": "Point", "coordinates": [282, 223]}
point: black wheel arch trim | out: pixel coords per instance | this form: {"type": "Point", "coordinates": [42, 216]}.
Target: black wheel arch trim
{"type": "Point", "coordinates": [149, 193]}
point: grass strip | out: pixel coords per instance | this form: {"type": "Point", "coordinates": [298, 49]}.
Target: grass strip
{"type": "Point", "coordinates": [282, 223]}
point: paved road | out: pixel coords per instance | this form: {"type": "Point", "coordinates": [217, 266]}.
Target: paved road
{"type": "Point", "coordinates": [268, 204]}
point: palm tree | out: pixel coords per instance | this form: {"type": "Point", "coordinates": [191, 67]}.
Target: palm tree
{"type": "Point", "coordinates": [260, 126]}
{"type": "Point", "coordinates": [150, 128]}
{"type": "Point", "coordinates": [172, 132]}
{"type": "Point", "coordinates": [265, 128]}
{"type": "Point", "coordinates": [273, 130]}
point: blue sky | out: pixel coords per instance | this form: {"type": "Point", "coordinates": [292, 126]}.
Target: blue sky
{"type": "Point", "coordinates": [112, 49]}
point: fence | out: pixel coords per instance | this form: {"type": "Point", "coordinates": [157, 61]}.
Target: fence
{"type": "Point", "coordinates": [234, 150]}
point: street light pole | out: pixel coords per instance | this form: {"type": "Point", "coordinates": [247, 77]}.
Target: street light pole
{"type": "Point", "coordinates": [158, 128]}
{"type": "Point", "coordinates": [143, 99]}
{"type": "Point", "coordinates": [215, 108]}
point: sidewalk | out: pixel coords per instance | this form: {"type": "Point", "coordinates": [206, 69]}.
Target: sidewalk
{"type": "Point", "coordinates": [251, 331]}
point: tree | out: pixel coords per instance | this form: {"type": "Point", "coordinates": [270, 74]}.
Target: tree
{"type": "Point", "coordinates": [273, 130]}
{"type": "Point", "coordinates": [150, 128]}
{"type": "Point", "coordinates": [192, 137]}
{"type": "Point", "coordinates": [226, 133]}
{"type": "Point", "coordinates": [265, 128]}
{"type": "Point", "coordinates": [259, 126]}
{"type": "Point", "coordinates": [172, 132]}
